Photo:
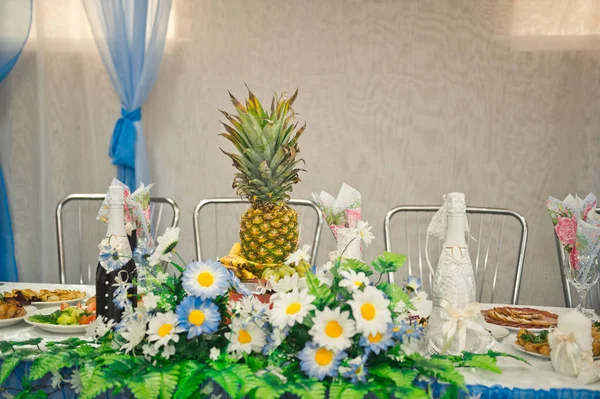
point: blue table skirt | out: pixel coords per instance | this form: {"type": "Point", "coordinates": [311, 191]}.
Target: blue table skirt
{"type": "Point", "coordinates": [13, 385]}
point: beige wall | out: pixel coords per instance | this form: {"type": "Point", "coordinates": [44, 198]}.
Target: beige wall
{"type": "Point", "coordinates": [404, 100]}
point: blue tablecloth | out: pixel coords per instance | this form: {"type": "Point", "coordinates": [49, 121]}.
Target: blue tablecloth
{"type": "Point", "coordinates": [13, 385]}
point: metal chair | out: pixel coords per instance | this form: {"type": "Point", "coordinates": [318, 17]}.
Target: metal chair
{"type": "Point", "coordinates": [90, 235]}
{"type": "Point", "coordinates": [571, 297]}
{"type": "Point", "coordinates": [486, 246]}
{"type": "Point", "coordinates": [233, 224]}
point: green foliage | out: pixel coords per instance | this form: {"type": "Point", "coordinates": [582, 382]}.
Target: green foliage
{"type": "Point", "coordinates": [9, 364]}
{"type": "Point", "coordinates": [358, 266]}
{"type": "Point", "coordinates": [323, 294]}
{"type": "Point", "coordinates": [388, 262]}
{"type": "Point", "coordinates": [396, 294]}
{"type": "Point", "coordinates": [347, 390]}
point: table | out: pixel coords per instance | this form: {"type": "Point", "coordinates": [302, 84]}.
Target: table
{"type": "Point", "coordinates": [517, 380]}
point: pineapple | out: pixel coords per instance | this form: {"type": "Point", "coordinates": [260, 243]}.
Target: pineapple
{"type": "Point", "coordinates": [267, 171]}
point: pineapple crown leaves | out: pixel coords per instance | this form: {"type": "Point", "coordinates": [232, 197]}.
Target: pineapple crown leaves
{"type": "Point", "coordinates": [267, 145]}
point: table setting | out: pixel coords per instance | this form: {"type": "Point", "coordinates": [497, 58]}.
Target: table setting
{"type": "Point", "coordinates": [265, 321]}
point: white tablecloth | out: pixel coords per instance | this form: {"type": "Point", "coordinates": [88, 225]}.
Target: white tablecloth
{"type": "Point", "coordinates": [540, 375]}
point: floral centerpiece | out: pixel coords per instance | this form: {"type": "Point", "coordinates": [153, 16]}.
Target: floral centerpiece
{"type": "Point", "coordinates": [330, 333]}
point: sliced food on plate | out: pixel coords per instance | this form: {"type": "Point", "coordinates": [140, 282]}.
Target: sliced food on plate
{"type": "Point", "coordinates": [520, 317]}
{"type": "Point", "coordinates": [11, 310]}
{"type": "Point", "coordinates": [28, 296]}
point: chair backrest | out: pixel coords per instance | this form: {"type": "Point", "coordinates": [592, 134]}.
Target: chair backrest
{"type": "Point", "coordinates": [493, 267]}
{"type": "Point", "coordinates": [571, 296]}
{"type": "Point", "coordinates": [224, 226]}
{"type": "Point", "coordinates": [84, 230]}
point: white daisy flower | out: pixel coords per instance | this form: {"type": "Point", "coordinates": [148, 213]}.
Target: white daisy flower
{"type": "Point", "coordinates": [333, 329]}
{"type": "Point", "coordinates": [363, 232]}
{"type": "Point", "coordinates": [150, 301]}
{"type": "Point", "coordinates": [352, 280]}
{"type": "Point", "coordinates": [75, 382]}
{"type": "Point", "coordinates": [298, 256]}
{"type": "Point", "coordinates": [163, 328]}
{"type": "Point", "coordinates": [322, 274]}
{"type": "Point", "coordinates": [206, 280]}
{"type": "Point", "coordinates": [288, 283]}
{"type": "Point", "coordinates": [291, 308]}
{"type": "Point", "coordinates": [161, 277]}
{"type": "Point", "coordinates": [214, 353]}
{"type": "Point", "coordinates": [249, 309]}
{"type": "Point", "coordinates": [168, 351]}
{"type": "Point", "coordinates": [370, 310]}
{"type": "Point", "coordinates": [245, 339]}
{"type": "Point", "coordinates": [133, 332]}
{"type": "Point", "coordinates": [166, 243]}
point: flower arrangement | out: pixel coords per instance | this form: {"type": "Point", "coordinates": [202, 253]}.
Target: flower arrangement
{"type": "Point", "coordinates": [331, 332]}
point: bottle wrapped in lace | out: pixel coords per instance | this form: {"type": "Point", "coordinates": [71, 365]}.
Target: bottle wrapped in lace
{"type": "Point", "coordinates": [455, 324]}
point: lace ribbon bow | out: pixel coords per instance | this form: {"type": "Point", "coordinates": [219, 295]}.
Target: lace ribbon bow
{"type": "Point", "coordinates": [457, 323]}
{"type": "Point", "coordinates": [561, 342]}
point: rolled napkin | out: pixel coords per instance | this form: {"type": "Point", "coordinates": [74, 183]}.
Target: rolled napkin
{"type": "Point", "coordinates": [344, 211]}
{"type": "Point", "coordinates": [564, 353]}
{"type": "Point", "coordinates": [457, 324]}
{"type": "Point", "coordinates": [580, 326]}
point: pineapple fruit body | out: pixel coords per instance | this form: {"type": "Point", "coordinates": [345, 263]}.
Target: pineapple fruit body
{"type": "Point", "coordinates": [268, 234]}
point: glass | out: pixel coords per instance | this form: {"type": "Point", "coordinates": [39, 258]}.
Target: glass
{"type": "Point", "coordinates": [582, 272]}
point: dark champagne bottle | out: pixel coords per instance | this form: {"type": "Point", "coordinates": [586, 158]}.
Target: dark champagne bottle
{"type": "Point", "coordinates": [105, 281]}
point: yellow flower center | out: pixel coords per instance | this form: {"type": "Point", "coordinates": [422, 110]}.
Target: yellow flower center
{"type": "Point", "coordinates": [196, 317]}
{"type": "Point", "coordinates": [205, 279]}
{"type": "Point", "coordinates": [358, 283]}
{"type": "Point", "coordinates": [359, 370]}
{"type": "Point", "coordinates": [333, 329]}
{"type": "Point", "coordinates": [374, 338]}
{"type": "Point", "coordinates": [368, 311]}
{"type": "Point", "coordinates": [293, 308]}
{"type": "Point", "coordinates": [244, 337]}
{"type": "Point", "coordinates": [396, 329]}
{"type": "Point", "coordinates": [323, 356]}
{"type": "Point", "coordinates": [164, 330]}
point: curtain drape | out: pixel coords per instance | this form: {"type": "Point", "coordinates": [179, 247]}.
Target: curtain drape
{"type": "Point", "coordinates": [130, 36]}
{"type": "Point", "coordinates": [15, 22]}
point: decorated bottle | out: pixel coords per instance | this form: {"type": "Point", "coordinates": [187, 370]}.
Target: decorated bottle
{"type": "Point", "coordinates": [106, 277]}
{"type": "Point", "coordinates": [456, 323]}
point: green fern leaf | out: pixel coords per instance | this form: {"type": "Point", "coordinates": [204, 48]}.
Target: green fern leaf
{"type": "Point", "coordinates": [46, 363]}
{"type": "Point", "coordinates": [94, 381]}
{"type": "Point", "coordinates": [169, 379]}
{"type": "Point", "coordinates": [192, 375]}
{"type": "Point", "coordinates": [309, 389]}
{"type": "Point", "coordinates": [346, 390]}
{"type": "Point", "coordinates": [8, 365]}
{"type": "Point", "coordinates": [146, 386]}
{"type": "Point", "coordinates": [400, 377]}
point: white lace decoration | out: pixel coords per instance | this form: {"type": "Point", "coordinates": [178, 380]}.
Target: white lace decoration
{"type": "Point", "coordinates": [439, 224]}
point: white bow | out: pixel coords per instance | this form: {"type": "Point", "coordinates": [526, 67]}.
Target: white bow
{"type": "Point", "coordinates": [560, 341]}
{"type": "Point", "coordinates": [457, 323]}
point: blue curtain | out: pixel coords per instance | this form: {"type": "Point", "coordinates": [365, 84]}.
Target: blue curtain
{"type": "Point", "coordinates": [15, 22]}
{"type": "Point", "coordinates": [130, 36]}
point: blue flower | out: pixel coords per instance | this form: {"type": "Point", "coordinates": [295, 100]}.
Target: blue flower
{"type": "Point", "coordinates": [237, 285]}
{"type": "Point", "coordinates": [120, 294]}
{"type": "Point", "coordinates": [319, 362]}
{"type": "Point", "coordinates": [198, 316]}
{"type": "Point", "coordinates": [140, 256]}
{"type": "Point", "coordinates": [377, 342]}
{"type": "Point", "coordinates": [358, 369]}
{"type": "Point", "coordinates": [110, 258]}
{"type": "Point", "coordinates": [410, 330]}
{"type": "Point", "coordinates": [413, 284]}
{"type": "Point", "coordinates": [206, 280]}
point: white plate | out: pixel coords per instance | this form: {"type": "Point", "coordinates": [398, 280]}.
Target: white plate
{"type": "Point", "coordinates": [522, 350]}
{"type": "Point", "coordinates": [29, 311]}
{"type": "Point", "coordinates": [516, 329]}
{"type": "Point", "coordinates": [53, 328]}
{"type": "Point", "coordinates": [498, 332]}
{"type": "Point", "coordinates": [41, 305]}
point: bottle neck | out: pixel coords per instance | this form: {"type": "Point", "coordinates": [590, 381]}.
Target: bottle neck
{"type": "Point", "coordinates": [455, 233]}
{"type": "Point", "coordinates": [116, 221]}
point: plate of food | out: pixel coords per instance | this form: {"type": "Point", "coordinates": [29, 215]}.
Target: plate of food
{"type": "Point", "coordinates": [536, 344]}
{"type": "Point", "coordinates": [44, 298]}
{"type": "Point", "coordinates": [498, 332]}
{"type": "Point", "coordinates": [11, 313]}
{"type": "Point", "coordinates": [64, 320]}
{"type": "Point", "coordinates": [515, 319]}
